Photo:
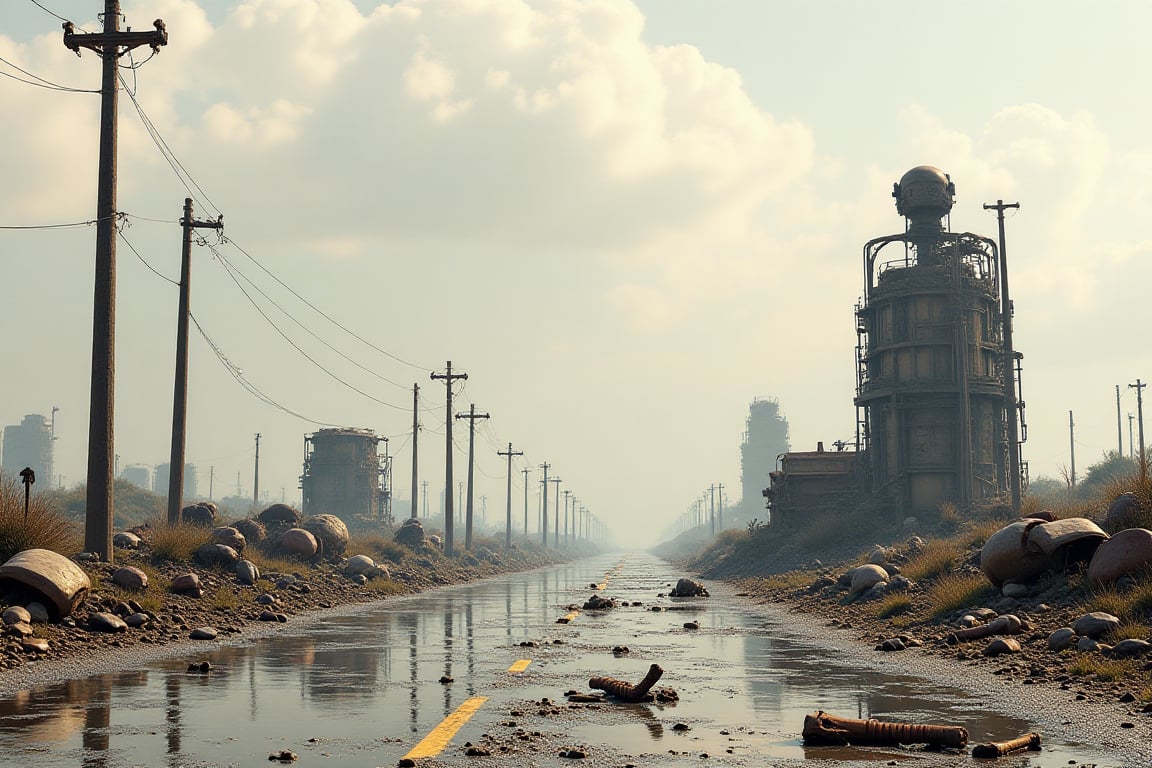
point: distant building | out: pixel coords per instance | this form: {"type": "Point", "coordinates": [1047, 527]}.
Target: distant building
{"type": "Point", "coordinates": [140, 475]}
{"type": "Point", "coordinates": [765, 438]}
{"type": "Point", "coordinates": [345, 475]}
{"type": "Point", "coordinates": [163, 476]}
{"type": "Point", "coordinates": [29, 444]}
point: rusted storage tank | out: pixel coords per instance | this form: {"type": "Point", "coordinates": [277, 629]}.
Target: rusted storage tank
{"type": "Point", "coordinates": [930, 379]}
{"type": "Point", "coordinates": [344, 474]}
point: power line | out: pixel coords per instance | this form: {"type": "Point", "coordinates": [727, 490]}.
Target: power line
{"type": "Point", "coordinates": [40, 82]}
{"type": "Point", "coordinates": [48, 11]}
{"type": "Point", "coordinates": [252, 389]}
{"type": "Point", "coordinates": [145, 262]}
{"type": "Point", "coordinates": [317, 310]}
{"type": "Point", "coordinates": [303, 327]}
{"type": "Point", "coordinates": [230, 270]}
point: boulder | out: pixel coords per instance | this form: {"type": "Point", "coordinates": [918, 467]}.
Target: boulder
{"type": "Point", "coordinates": [1095, 624]}
{"type": "Point", "coordinates": [213, 555]}
{"type": "Point", "coordinates": [330, 531]}
{"type": "Point", "coordinates": [410, 534]}
{"type": "Point", "coordinates": [1013, 589]}
{"type": "Point", "coordinates": [47, 574]}
{"type": "Point", "coordinates": [1005, 555]}
{"type": "Point", "coordinates": [229, 537]}
{"type": "Point", "coordinates": [878, 556]}
{"type": "Point", "coordinates": [1068, 541]}
{"type": "Point", "coordinates": [1128, 551]}
{"type": "Point", "coordinates": [279, 516]}
{"type": "Point", "coordinates": [1123, 512]}
{"type": "Point", "coordinates": [202, 514]}
{"type": "Point", "coordinates": [1131, 647]}
{"type": "Point", "coordinates": [187, 584]}
{"type": "Point", "coordinates": [130, 578]}
{"type": "Point", "coordinates": [297, 541]}
{"type": "Point", "coordinates": [359, 564]}
{"type": "Point", "coordinates": [865, 577]}
{"type": "Point", "coordinates": [247, 572]}
{"type": "Point", "coordinates": [1002, 645]}
{"type": "Point", "coordinates": [126, 540]}
{"type": "Point", "coordinates": [253, 531]}
{"type": "Point", "coordinates": [688, 588]}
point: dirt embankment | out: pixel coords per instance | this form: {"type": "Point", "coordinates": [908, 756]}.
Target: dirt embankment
{"type": "Point", "coordinates": [228, 608]}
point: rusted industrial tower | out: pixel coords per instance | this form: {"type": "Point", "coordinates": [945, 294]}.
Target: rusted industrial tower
{"type": "Point", "coordinates": [932, 394]}
{"type": "Point", "coordinates": [345, 475]}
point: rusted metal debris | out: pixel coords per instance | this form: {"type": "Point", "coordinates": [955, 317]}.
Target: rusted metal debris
{"type": "Point", "coordinates": [627, 691]}
{"type": "Point", "coordinates": [822, 728]}
{"type": "Point", "coordinates": [1008, 624]}
{"type": "Point", "coordinates": [1029, 741]}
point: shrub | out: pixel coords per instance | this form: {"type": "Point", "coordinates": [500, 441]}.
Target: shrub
{"type": "Point", "coordinates": [384, 587]}
{"type": "Point", "coordinates": [44, 528]}
{"type": "Point", "coordinates": [957, 591]}
{"type": "Point", "coordinates": [933, 561]}
{"type": "Point", "coordinates": [378, 547]}
{"type": "Point", "coordinates": [176, 543]}
{"type": "Point", "coordinates": [894, 605]}
{"type": "Point", "coordinates": [1106, 670]}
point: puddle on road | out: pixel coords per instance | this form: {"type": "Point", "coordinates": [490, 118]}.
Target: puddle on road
{"type": "Point", "coordinates": [361, 689]}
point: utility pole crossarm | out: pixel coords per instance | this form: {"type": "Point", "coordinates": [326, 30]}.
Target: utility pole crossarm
{"type": "Point", "coordinates": [123, 41]}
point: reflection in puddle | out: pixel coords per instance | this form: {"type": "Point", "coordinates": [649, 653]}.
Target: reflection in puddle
{"type": "Point", "coordinates": [363, 687]}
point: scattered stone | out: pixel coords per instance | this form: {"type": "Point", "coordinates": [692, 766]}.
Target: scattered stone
{"type": "Point", "coordinates": [864, 577]}
{"type": "Point", "coordinates": [445, 680]}
{"type": "Point", "coordinates": [410, 534]}
{"type": "Point", "coordinates": [201, 515]}
{"type": "Point", "coordinates": [691, 625]}
{"type": "Point", "coordinates": [1014, 589]}
{"type": "Point", "coordinates": [681, 727]}
{"type": "Point", "coordinates": [1095, 624]}
{"type": "Point", "coordinates": [1127, 552]}
{"type": "Point", "coordinates": [130, 578]}
{"type": "Point", "coordinates": [126, 540]}
{"type": "Point", "coordinates": [38, 612]}
{"type": "Point", "coordinates": [214, 555]}
{"type": "Point", "coordinates": [574, 754]}
{"type": "Point", "coordinates": [203, 633]}
{"type": "Point", "coordinates": [20, 629]}
{"type": "Point", "coordinates": [598, 603]}
{"type": "Point", "coordinates": [253, 531]}
{"type": "Point", "coordinates": [201, 668]}
{"type": "Point", "coordinates": [284, 756]}
{"type": "Point", "coordinates": [229, 537]}
{"type": "Point", "coordinates": [360, 565]}
{"type": "Point", "coordinates": [188, 584]}
{"type": "Point", "coordinates": [279, 517]}
{"type": "Point", "coordinates": [16, 614]}
{"type": "Point", "coordinates": [1131, 647]}
{"type": "Point", "coordinates": [297, 541]}
{"type": "Point", "coordinates": [247, 572]}
{"type": "Point", "coordinates": [1086, 644]}
{"type": "Point", "coordinates": [136, 620]}
{"type": "Point", "coordinates": [477, 751]}
{"type": "Point", "coordinates": [688, 588]}
{"type": "Point", "coordinates": [330, 531]}
{"type": "Point", "coordinates": [106, 622]}
{"type": "Point", "coordinates": [1002, 645]}
{"type": "Point", "coordinates": [891, 644]}
{"type": "Point", "coordinates": [35, 644]}
{"type": "Point", "coordinates": [1061, 639]}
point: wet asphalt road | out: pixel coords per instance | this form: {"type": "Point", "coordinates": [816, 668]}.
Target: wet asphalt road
{"type": "Point", "coordinates": [364, 688]}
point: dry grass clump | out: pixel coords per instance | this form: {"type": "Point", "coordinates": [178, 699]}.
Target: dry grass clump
{"type": "Point", "coordinates": [226, 598]}
{"type": "Point", "coordinates": [378, 547]}
{"type": "Point", "coordinates": [44, 528]}
{"type": "Point", "coordinates": [176, 543]}
{"type": "Point", "coordinates": [1105, 670]}
{"type": "Point", "coordinates": [271, 563]}
{"type": "Point", "coordinates": [385, 587]}
{"type": "Point", "coordinates": [1129, 629]}
{"type": "Point", "coordinates": [1134, 604]}
{"type": "Point", "coordinates": [894, 605]}
{"type": "Point", "coordinates": [788, 580]}
{"type": "Point", "coordinates": [935, 559]}
{"type": "Point", "coordinates": [955, 591]}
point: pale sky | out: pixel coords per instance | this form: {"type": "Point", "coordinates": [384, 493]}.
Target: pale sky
{"type": "Point", "coordinates": [624, 220]}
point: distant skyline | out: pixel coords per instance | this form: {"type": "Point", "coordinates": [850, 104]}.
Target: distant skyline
{"type": "Point", "coordinates": [624, 220]}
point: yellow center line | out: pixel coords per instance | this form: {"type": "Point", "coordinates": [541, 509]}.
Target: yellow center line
{"type": "Point", "coordinates": [438, 738]}
{"type": "Point", "coordinates": [520, 666]}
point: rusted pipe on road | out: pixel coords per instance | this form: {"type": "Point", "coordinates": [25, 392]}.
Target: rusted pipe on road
{"type": "Point", "coordinates": [1029, 741]}
{"type": "Point", "coordinates": [822, 728]}
{"type": "Point", "coordinates": [627, 691]}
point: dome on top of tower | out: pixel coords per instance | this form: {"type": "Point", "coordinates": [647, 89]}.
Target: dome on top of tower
{"type": "Point", "coordinates": [924, 191]}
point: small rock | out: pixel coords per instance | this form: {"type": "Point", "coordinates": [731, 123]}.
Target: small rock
{"type": "Point", "coordinates": [1014, 590]}
{"type": "Point", "coordinates": [1095, 624]}
{"type": "Point", "coordinates": [1061, 639]}
{"type": "Point", "coordinates": [691, 625]}
{"type": "Point", "coordinates": [1085, 644]}
{"type": "Point", "coordinates": [36, 644]}
{"type": "Point", "coordinates": [131, 578]}
{"type": "Point", "coordinates": [203, 633]}
{"type": "Point", "coordinates": [106, 622]}
{"type": "Point", "coordinates": [445, 679]}
{"type": "Point", "coordinates": [1002, 645]}
{"type": "Point", "coordinates": [1131, 647]}
{"type": "Point", "coordinates": [16, 614]}
{"type": "Point", "coordinates": [284, 756]}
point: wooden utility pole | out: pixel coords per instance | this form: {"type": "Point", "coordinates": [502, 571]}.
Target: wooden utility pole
{"type": "Point", "coordinates": [556, 532]}
{"type": "Point", "coordinates": [1139, 387]}
{"type": "Point", "coordinates": [110, 44]}
{"type": "Point", "coordinates": [567, 527]}
{"type": "Point", "coordinates": [448, 378]}
{"type": "Point", "coordinates": [712, 502]}
{"type": "Point", "coordinates": [1011, 411]}
{"type": "Point", "coordinates": [256, 478]}
{"type": "Point", "coordinates": [180, 389]}
{"type": "Point", "coordinates": [544, 507]}
{"type": "Point", "coordinates": [1072, 447]}
{"type": "Point", "coordinates": [471, 416]}
{"type": "Point", "coordinates": [1119, 425]}
{"type": "Point", "coordinates": [526, 470]}
{"type": "Point", "coordinates": [508, 528]}
{"type": "Point", "coordinates": [720, 498]}
{"type": "Point", "coordinates": [415, 437]}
